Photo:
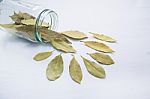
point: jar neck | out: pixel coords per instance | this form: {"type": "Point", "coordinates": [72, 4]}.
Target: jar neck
{"type": "Point", "coordinates": [53, 21]}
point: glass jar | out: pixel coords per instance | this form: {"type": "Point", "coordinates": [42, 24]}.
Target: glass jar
{"type": "Point", "coordinates": [10, 7]}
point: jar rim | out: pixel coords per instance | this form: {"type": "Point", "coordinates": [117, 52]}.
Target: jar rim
{"type": "Point", "coordinates": [52, 25]}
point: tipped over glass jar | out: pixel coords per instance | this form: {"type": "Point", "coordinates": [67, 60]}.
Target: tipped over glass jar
{"type": "Point", "coordinates": [17, 16]}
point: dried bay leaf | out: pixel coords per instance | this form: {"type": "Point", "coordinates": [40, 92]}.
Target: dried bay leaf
{"type": "Point", "coordinates": [46, 34]}
{"type": "Point", "coordinates": [42, 55]}
{"type": "Point", "coordinates": [30, 29]}
{"type": "Point", "coordinates": [25, 16]}
{"type": "Point", "coordinates": [55, 68]}
{"type": "Point", "coordinates": [74, 34]}
{"type": "Point", "coordinates": [98, 46]}
{"type": "Point", "coordinates": [102, 58]}
{"type": "Point", "coordinates": [75, 70]}
{"type": "Point", "coordinates": [32, 22]}
{"type": "Point", "coordinates": [27, 30]}
{"type": "Point", "coordinates": [63, 46]}
{"type": "Point", "coordinates": [94, 69]}
{"type": "Point", "coordinates": [103, 37]}
{"type": "Point", "coordinates": [21, 16]}
{"type": "Point", "coordinates": [20, 31]}
{"type": "Point", "coordinates": [10, 26]}
{"type": "Point", "coordinates": [15, 18]}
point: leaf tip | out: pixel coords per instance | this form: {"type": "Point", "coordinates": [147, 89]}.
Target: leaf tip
{"type": "Point", "coordinates": [104, 77]}
{"type": "Point", "coordinates": [88, 53]}
{"type": "Point", "coordinates": [113, 51]}
{"type": "Point", "coordinates": [52, 51]}
{"type": "Point", "coordinates": [91, 32]}
{"type": "Point", "coordinates": [72, 55]}
{"type": "Point", "coordinates": [79, 82]}
{"type": "Point", "coordinates": [81, 41]}
{"type": "Point", "coordinates": [81, 56]}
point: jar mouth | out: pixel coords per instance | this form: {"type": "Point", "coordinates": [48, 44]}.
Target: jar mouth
{"type": "Point", "coordinates": [53, 21]}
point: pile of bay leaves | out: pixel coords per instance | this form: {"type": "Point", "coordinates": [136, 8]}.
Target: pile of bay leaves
{"type": "Point", "coordinates": [24, 23]}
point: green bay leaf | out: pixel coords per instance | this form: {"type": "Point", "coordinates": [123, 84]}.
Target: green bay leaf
{"type": "Point", "coordinates": [55, 68]}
